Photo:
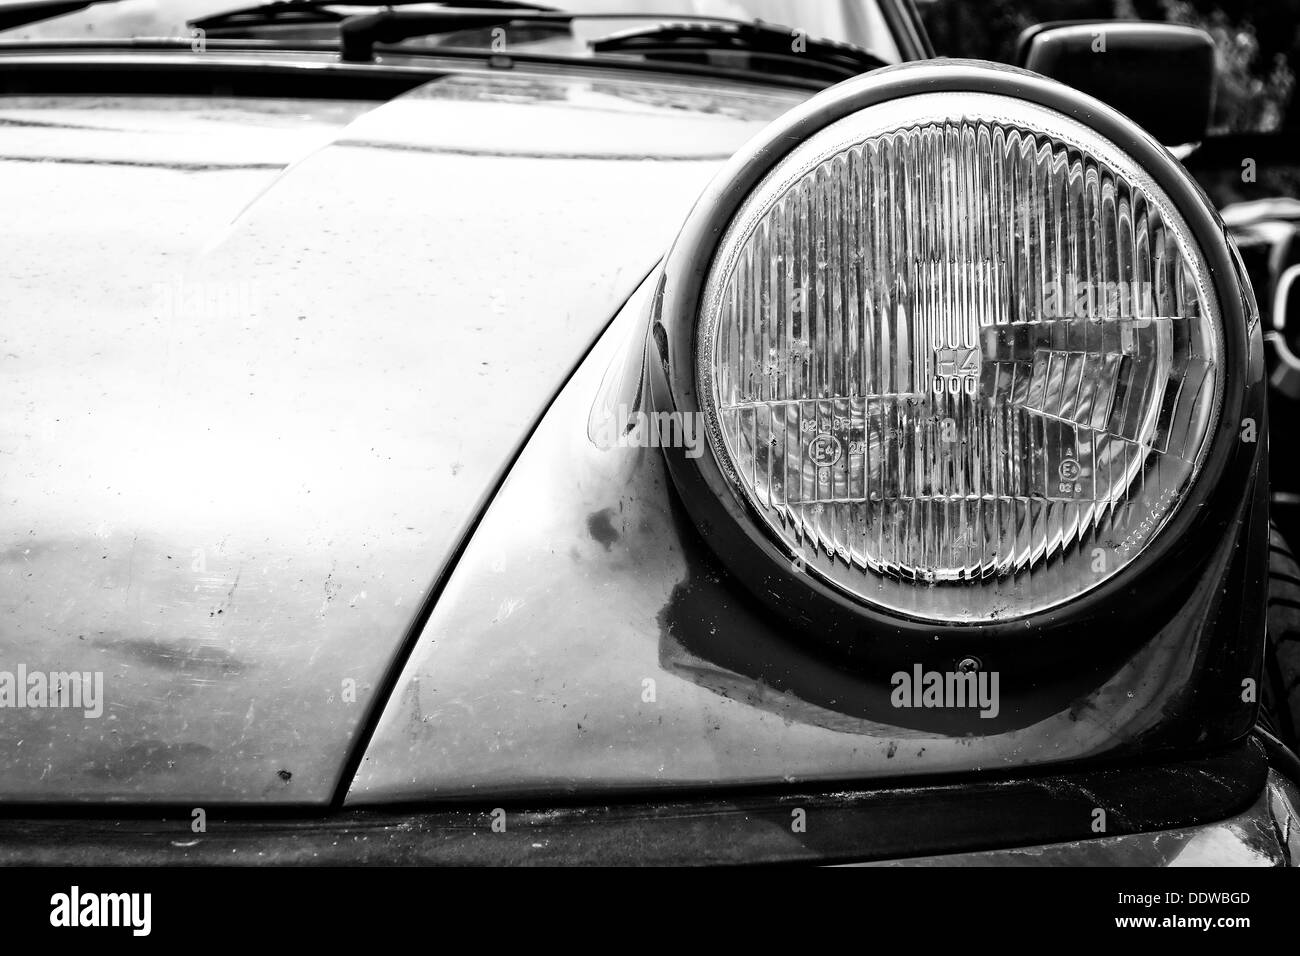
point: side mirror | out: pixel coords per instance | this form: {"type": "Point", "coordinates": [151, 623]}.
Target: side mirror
{"type": "Point", "coordinates": [1160, 75]}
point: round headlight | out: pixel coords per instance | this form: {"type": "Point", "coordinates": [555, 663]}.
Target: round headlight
{"type": "Point", "coordinates": [961, 355]}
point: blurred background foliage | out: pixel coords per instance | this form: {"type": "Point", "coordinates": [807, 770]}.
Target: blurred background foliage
{"type": "Point", "coordinates": [1258, 44]}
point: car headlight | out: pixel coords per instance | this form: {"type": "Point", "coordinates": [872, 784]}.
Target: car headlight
{"type": "Point", "coordinates": [958, 352]}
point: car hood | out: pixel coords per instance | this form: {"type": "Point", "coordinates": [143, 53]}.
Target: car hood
{"type": "Point", "coordinates": [264, 363]}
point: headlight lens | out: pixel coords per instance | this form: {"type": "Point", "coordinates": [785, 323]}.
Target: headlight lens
{"type": "Point", "coordinates": [962, 354]}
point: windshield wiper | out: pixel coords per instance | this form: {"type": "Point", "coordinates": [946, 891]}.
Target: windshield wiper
{"type": "Point", "coordinates": [688, 38]}
{"type": "Point", "coordinates": [310, 12]}
{"type": "Point", "coordinates": [358, 35]}
{"type": "Point", "coordinates": [768, 41]}
{"type": "Point", "coordinates": [34, 11]}
{"type": "Point", "coordinates": [693, 38]}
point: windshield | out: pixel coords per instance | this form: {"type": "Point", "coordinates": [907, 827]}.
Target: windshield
{"type": "Point", "coordinates": [850, 21]}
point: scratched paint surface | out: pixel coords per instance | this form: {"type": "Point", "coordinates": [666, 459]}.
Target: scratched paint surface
{"type": "Point", "coordinates": [234, 456]}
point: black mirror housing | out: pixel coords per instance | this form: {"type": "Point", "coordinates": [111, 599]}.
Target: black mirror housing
{"type": "Point", "coordinates": [1161, 75]}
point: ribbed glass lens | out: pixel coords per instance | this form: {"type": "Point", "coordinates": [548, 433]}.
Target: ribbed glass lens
{"type": "Point", "coordinates": [962, 355]}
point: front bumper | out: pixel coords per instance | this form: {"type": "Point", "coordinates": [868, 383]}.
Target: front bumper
{"type": "Point", "coordinates": [1229, 808]}
{"type": "Point", "coordinates": [1266, 834]}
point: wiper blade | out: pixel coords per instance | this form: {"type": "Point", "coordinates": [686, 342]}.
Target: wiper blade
{"type": "Point", "coordinates": [783, 44]}
{"type": "Point", "coordinates": [358, 35]}
{"type": "Point", "coordinates": [311, 12]}
{"type": "Point", "coordinates": [34, 11]}
{"type": "Point", "coordinates": [690, 37]}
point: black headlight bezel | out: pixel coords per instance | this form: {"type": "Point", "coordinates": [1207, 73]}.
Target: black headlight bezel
{"type": "Point", "coordinates": [1144, 589]}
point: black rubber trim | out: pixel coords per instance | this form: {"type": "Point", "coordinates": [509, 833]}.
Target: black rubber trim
{"type": "Point", "coordinates": [304, 71]}
{"type": "Point", "coordinates": [955, 815]}
{"type": "Point", "coordinates": [157, 72]}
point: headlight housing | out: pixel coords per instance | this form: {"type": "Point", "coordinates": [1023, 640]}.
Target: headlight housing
{"type": "Point", "coordinates": [963, 341]}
